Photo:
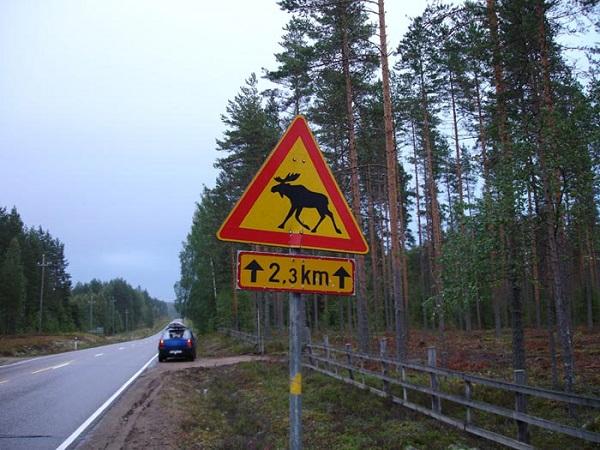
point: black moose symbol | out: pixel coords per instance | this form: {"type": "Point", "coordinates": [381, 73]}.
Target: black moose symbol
{"type": "Point", "coordinates": [302, 198]}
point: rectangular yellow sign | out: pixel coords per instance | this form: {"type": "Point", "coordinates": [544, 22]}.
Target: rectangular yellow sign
{"type": "Point", "coordinates": [295, 273]}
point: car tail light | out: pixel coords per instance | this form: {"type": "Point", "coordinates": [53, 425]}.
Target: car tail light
{"type": "Point", "coordinates": [189, 343]}
{"type": "Point", "coordinates": [161, 344]}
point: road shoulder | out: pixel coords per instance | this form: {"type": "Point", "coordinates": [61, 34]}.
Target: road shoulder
{"type": "Point", "coordinates": [137, 420]}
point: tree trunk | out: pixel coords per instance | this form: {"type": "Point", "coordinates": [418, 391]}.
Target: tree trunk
{"type": "Point", "coordinates": [267, 314]}
{"type": "Point", "coordinates": [279, 311]}
{"type": "Point", "coordinates": [391, 162]}
{"type": "Point", "coordinates": [534, 258]}
{"type": "Point", "coordinates": [553, 215]}
{"type": "Point", "coordinates": [433, 211]}
{"type": "Point", "coordinates": [387, 271]}
{"type": "Point", "coordinates": [551, 339]}
{"type": "Point", "coordinates": [587, 291]}
{"type": "Point", "coordinates": [361, 300]}
{"type": "Point", "coordinates": [377, 299]}
{"type": "Point", "coordinates": [508, 195]}
{"type": "Point", "coordinates": [459, 182]}
{"type": "Point", "coordinates": [460, 189]}
{"type": "Point", "coordinates": [403, 259]}
{"type": "Point", "coordinates": [486, 177]}
{"type": "Point", "coordinates": [589, 256]}
{"type": "Point", "coordinates": [419, 227]}
{"type": "Point", "coordinates": [497, 316]}
{"type": "Point", "coordinates": [315, 312]}
{"type": "Point", "coordinates": [452, 222]}
{"type": "Point", "coordinates": [482, 134]}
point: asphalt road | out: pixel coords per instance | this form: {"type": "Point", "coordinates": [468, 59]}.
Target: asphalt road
{"type": "Point", "coordinates": [45, 400]}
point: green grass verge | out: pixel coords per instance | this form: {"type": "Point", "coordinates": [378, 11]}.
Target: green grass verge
{"type": "Point", "coordinates": [246, 407]}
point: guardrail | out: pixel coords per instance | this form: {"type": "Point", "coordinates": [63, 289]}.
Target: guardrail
{"type": "Point", "coordinates": [394, 380]}
{"type": "Point", "coordinates": [250, 338]}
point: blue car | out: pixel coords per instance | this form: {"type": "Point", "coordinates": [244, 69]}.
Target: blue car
{"type": "Point", "coordinates": [177, 341]}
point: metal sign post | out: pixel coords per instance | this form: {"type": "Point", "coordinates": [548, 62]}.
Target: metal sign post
{"type": "Point", "coordinates": [295, 371]}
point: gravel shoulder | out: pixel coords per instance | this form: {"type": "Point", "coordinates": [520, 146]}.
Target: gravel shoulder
{"type": "Point", "coordinates": [138, 420]}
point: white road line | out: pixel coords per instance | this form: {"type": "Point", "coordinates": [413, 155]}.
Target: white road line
{"type": "Point", "coordinates": [98, 355]}
{"type": "Point", "coordinates": [3, 381]}
{"type": "Point", "coordinates": [53, 367]}
{"type": "Point", "coordinates": [27, 361]}
{"type": "Point", "coordinates": [102, 408]}
{"type": "Point", "coordinates": [121, 348]}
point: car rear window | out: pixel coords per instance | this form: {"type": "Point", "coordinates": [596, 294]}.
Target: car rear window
{"type": "Point", "coordinates": [175, 333]}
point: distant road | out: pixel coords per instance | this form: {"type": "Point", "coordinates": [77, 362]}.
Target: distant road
{"type": "Point", "coordinates": [44, 400]}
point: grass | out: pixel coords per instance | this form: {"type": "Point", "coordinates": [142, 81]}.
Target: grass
{"type": "Point", "coordinates": [246, 407]}
{"type": "Point", "coordinates": [217, 345]}
{"type": "Point", "coordinates": [339, 416]}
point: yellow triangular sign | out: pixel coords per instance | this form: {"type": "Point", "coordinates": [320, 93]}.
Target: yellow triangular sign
{"type": "Point", "coordinates": [294, 201]}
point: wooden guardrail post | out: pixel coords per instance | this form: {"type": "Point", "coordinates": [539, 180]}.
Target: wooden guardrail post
{"type": "Point", "coordinates": [468, 397]}
{"type": "Point", "coordinates": [309, 348]}
{"type": "Point", "coordinates": [349, 358]}
{"type": "Point", "coordinates": [327, 352]}
{"type": "Point", "coordinates": [403, 378]}
{"type": "Point", "coordinates": [436, 404]}
{"type": "Point", "coordinates": [384, 365]}
{"type": "Point", "coordinates": [521, 406]}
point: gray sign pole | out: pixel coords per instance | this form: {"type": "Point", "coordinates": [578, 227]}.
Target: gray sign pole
{"type": "Point", "coordinates": [295, 371]}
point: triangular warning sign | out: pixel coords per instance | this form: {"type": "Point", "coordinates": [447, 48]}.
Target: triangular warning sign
{"type": "Point", "coordinates": [294, 201]}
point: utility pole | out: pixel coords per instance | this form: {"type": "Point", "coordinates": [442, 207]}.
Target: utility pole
{"type": "Point", "coordinates": [126, 320]}
{"type": "Point", "coordinates": [43, 265]}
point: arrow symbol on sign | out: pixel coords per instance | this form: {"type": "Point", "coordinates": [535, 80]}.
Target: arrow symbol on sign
{"type": "Point", "coordinates": [253, 267]}
{"type": "Point", "coordinates": [342, 275]}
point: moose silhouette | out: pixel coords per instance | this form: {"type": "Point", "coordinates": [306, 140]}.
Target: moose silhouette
{"type": "Point", "coordinates": [301, 198]}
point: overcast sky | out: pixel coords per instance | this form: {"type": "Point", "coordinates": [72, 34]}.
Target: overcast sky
{"type": "Point", "coordinates": [109, 111]}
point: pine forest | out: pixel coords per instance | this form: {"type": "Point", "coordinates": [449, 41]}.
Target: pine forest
{"type": "Point", "coordinates": [37, 296]}
{"type": "Point", "coordinates": [469, 152]}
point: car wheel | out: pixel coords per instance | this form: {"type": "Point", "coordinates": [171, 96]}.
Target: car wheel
{"type": "Point", "coordinates": [161, 359]}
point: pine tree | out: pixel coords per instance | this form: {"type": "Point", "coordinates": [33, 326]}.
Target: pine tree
{"type": "Point", "coordinates": [295, 67]}
{"type": "Point", "coordinates": [343, 66]}
{"type": "Point", "coordinates": [12, 288]}
{"type": "Point", "coordinates": [252, 131]}
{"type": "Point", "coordinates": [420, 77]}
{"type": "Point", "coordinates": [207, 271]}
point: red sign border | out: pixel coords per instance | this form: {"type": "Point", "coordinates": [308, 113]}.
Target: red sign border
{"type": "Point", "coordinates": [300, 291]}
{"type": "Point", "coordinates": [232, 231]}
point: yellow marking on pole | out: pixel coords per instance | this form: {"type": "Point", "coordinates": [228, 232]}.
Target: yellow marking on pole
{"type": "Point", "coordinates": [296, 385]}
